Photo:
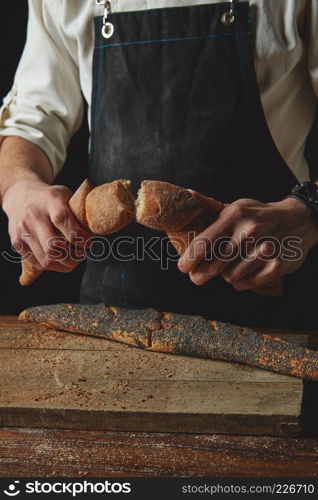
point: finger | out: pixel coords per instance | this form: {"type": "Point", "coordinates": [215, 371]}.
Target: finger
{"type": "Point", "coordinates": [251, 258]}
{"type": "Point", "coordinates": [58, 267]}
{"type": "Point", "coordinates": [61, 255]}
{"type": "Point", "coordinates": [245, 261]}
{"type": "Point", "coordinates": [241, 269]}
{"type": "Point", "coordinates": [57, 254]}
{"type": "Point", "coordinates": [271, 271]}
{"type": "Point", "coordinates": [61, 252]}
{"type": "Point", "coordinates": [43, 243]}
{"type": "Point", "coordinates": [233, 218]}
{"type": "Point", "coordinates": [23, 249]}
{"type": "Point", "coordinates": [207, 202]}
{"type": "Point", "coordinates": [65, 222]}
{"type": "Point", "coordinates": [203, 247]}
{"type": "Point", "coordinates": [30, 241]}
{"type": "Point", "coordinates": [225, 255]}
{"type": "Point", "coordinates": [74, 253]}
{"type": "Point", "coordinates": [268, 249]}
{"type": "Point", "coordinates": [229, 253]}
{"type": "Point", "coordinates": [202, 274]}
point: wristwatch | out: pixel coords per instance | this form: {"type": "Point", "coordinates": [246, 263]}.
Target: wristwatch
{"type": "Point", "coordinates": [307, 193]}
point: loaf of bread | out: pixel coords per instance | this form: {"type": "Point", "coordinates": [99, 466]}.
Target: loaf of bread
{"type": "Point", "coordinates": [77, 203]}
{"type": "Point", "coordinates": [29, 273]}
{"type": "Point", "coordinates": [100, 210]}
{"type": "Point", "coordinates": [173, 209]}
{"type": "Point", "coordinates": [166, 207]}
{"type": "Point", "coordinates": [179, 334]}
{"type": "Point", "coordinates": [162, 206]}
{"type": "Point", "coordinates": [110, 207]}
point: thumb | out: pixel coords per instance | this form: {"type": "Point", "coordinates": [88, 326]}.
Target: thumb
{"type": "Point", "coordinates": [209, 203]}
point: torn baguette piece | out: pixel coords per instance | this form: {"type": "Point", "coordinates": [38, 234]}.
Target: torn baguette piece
{"type": "Point", "coordinates": [166, 207]}
{"type": "Point", "coordinates": [110, 207]}
{"type": "Point", "coordinates": [30, 272]}
{"type": "Point", "coordinates": [173, 209]}
{"type": "Point", "coordinates": [101, 210]}
{"type": "Point", "coordinates": [183, 238]}
{"type": "Point", "coordinates": [77, 203]}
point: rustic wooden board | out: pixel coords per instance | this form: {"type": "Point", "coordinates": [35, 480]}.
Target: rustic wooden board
{"type": "Point", "coordinates": [70, 453]}
{"type": "Point", "coordinates": [62, 380]}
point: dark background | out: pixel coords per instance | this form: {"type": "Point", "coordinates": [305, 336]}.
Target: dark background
{"type": "Point", "coordinates": [50, 287]}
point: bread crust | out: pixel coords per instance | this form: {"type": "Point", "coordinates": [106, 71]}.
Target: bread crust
{"type": "Point", "coordinates": [182, 239]}
{"type": "Point", "coordinates": [110, 207]}
{"type": "Point", "coordinates": [29, 273]}
{"type": "Point", "coordinates": [77, 203]}
{"type": "Point", "coordinates": [173, 209]}
{"type": "Point", "coordinates": [165, 207]}
{"type": "Point", "coordinates": [160, 205]}
{"type": "Point", "coordinates": [179, 334]}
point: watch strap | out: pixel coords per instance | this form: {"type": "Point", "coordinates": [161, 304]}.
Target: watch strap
{"type": "Point", "coordinates": [307, 193]}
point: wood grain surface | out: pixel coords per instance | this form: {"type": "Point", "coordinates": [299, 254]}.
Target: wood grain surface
{"type": "Point", "coordinates": [65, 453]}
{"type": "Point", "coordinates": [62, 380]}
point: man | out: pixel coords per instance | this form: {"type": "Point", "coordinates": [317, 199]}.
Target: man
{"type": "Point", "coordinates": [173, 95]}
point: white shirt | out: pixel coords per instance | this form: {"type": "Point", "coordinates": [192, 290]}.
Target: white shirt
{"type": "Point", "coordinates": [45, 105]}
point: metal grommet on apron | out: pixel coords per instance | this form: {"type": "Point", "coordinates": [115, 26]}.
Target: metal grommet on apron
{"type": "Point", "coordinates": [170, 87]}
{"type": "Point", "coordinates": [229, 16]}
{"type": "Point", "coordinates": [108, 27]}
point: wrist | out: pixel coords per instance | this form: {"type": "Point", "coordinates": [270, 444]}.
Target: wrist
{"type": "Point", "coordinates": [19, 188]}
{"type": "Point", "coordinates": [22, 163]}
{"type": "Point", "coordinates": [296, 206]}
{"type": "Point", "coordinates": [300, 211]}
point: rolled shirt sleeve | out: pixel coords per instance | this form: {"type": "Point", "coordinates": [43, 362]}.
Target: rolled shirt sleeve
{"type": "Point", "coordinates": [313, 43]}
{"type": "Point", "coordinates": [45, 105]}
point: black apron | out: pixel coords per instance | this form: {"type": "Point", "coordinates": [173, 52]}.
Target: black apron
{"type": "Point", "coordinates": [176, 99]}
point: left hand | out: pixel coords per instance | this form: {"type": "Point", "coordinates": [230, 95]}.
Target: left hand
{"type": "Point", "coordinates": [261, 243]}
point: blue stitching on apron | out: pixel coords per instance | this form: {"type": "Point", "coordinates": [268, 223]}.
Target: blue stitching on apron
{"type": "Point", "coordinates": [141, 42]}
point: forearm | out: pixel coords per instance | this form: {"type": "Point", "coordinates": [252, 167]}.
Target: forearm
{"type": "Point", "coordinates": [22, 162]}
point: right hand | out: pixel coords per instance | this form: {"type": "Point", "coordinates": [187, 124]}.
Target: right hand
{"type": "Point", "coordinates": [38, 215]}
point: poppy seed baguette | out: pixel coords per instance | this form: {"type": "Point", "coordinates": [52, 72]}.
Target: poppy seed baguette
{"type": "Point", "coordinates": [179, 334]}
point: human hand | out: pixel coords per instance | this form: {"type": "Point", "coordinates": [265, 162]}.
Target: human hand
{"type": "Point", "coordinates": [42, 226]}
{"type": "Point", "coordinates": [251, 243]}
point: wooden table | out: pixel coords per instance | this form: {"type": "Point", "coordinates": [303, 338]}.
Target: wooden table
{"type": "Point", "coordinates": [71, 405]}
